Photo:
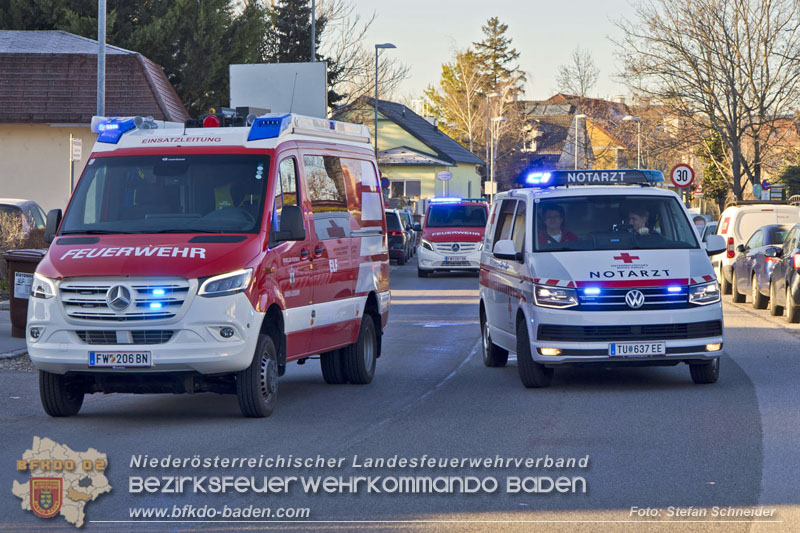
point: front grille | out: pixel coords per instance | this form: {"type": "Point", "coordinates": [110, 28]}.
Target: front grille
{"type": "Point", "coordinates": [647, 332]}
{"type": "Point", "coordinates": [613, 299]}
{"type": "Point", "coordinates": [86, 299]}
{"type": "Point", "coordinates": [157, 336]}
{"type": "Point", "coordinates": [463, 247]}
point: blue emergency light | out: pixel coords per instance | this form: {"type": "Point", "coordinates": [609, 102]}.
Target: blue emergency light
{"type": "Point", "coordinates": [446, 200]}
{"type": "Point", "coordinates": [110, 129]}
{"type": "Point", "coordinates": [591, 291]}
{"type": "Point", "coordinates": [674, 288]}
{"type": "Point", "coordinates": [269, 127]}
{"type": "Point", "coordinates": [622, 176]}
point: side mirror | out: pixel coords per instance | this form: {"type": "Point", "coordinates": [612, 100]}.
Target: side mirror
{"type": "Point", "coordinates": [417, 226]}
{"type": "Point", "coordinates": [506, 250]}
{"type": "Point", "coordinates": [291, 225]}
{"type": "Point", "coordinates": [715, 244]}
{"type": "Point", "coordinates": [51, 227]}
{"type": "Point", "coordinates": [741, 249]}
{"type": "Point", "coordinates": [773, 251]}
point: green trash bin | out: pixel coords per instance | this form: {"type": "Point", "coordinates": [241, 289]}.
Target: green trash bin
{"type": "Point", "coordinates": [21, 266]}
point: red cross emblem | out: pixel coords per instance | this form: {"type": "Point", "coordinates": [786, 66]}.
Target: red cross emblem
{"type": "Point", "coordinates": [626, 257]}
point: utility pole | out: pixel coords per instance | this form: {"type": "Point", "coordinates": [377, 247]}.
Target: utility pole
{"type": "Point", "coordinates": [101, 57]}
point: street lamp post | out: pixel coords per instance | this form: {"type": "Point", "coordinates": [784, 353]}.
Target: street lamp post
{"type": "Point", "coordinates": [495, 121]}
{"type": "Point", "coordinates": [638, 121]}
{"type": "Point", "coordinates": [488, 96]}
{"type": "Point", "coordinates": [378, 47]}
{"type": "Point", "coordinates": [577, 117]}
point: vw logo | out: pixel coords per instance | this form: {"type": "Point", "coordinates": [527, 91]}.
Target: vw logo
{"type": "Point", "coordinates": [634, 299]}
{"type": "Point", "coordinates": [118, 297]}
{"type": "Point", "coordinates": [456, 247]}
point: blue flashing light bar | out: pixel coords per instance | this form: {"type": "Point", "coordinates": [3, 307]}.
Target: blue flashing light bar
{"type": "Point", "coordinates": [156, 305]}
{"type": "Point", "coordinates": [629, 176]}
{"type": "Point", "coordinates": [591, 291]}
{"type": "Point", "coordinates": [446, 200]}
{"type": "Point", "coordinates": [674, 289]}
{"type": "Point", "coordinates": [269, 127]}
{"type": "Point", "coordinates": [110, 129]}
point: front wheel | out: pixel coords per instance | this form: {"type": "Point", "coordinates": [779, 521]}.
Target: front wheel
{"type": "Point", "coordinates": [736, 296]}
{"type": "Point", "coordinates": [493, 355]}
{"type": "Point", "coordinates": [532, 374]}
{"type": "Point", "coordinates": [724, 284]}
{"type": "Point", "coordinates": [704, 373]}
{"type": "Point", "coordinates": [759, 300]}
{"type": "Point", "coordinates": [422, 273]}
{"type": "Point", "coordinates": [257, 385]}
{"type": "Point", "coordinates": [774, 308]}
{"type": "Point", "coordinates": [60, 395]}
{"type": "Point", "coordinates": [359, 358]}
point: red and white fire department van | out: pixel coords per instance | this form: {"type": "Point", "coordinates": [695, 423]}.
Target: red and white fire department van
{"type": "Point", "coordinates": [195, 259]}
{"type": "Point", "coordinates": [452, 235]}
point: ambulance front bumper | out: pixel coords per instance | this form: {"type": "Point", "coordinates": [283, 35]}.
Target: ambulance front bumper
{"type": "Point", "coordinates": [192, 342]}
{"type": "Point", "coordinates": [693, 334]}
{"type": "Point", "coordinates": [433, 260]}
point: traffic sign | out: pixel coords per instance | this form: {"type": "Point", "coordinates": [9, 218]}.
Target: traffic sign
{"type": "Point", "coordinates": [765, 185]}
{"type": "Point", "coordinates": [682, 175]}
{"type": "Point", "coordinates": [384, 183]}
{"type": "Point", "coordinates": [444, 175]}
{"type": "Point", "coordinates": [76, 149]}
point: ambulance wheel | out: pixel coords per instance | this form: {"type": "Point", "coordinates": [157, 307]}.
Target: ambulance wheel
{"type": "Point", "coordinates": [493, 355]}
{"type": "Point", "coordinates": [422, 273]}
{"type": "Point", "coordinates": [257, 385]}
{"type": "Point", "coordinates": [774, 308]}
{"type": "Point", "coordinates": [60, 395]}
{"type": "Point", "coordinates": [736, 296]}
{"type": "Point", "coordinates": [759, 300]}
{"type": "Point", "coordinates": [359, 358]}
{"type": "Point", "coordinates": [792, 309]}
{"type": "Point", "coordinates": [332, 367]}
{"type": "Point", "coordinates": [704, 373]}
{"type": "Point", "coordinates": [532, 374]}
{"type": "Point", "coordinates": [724, 284]}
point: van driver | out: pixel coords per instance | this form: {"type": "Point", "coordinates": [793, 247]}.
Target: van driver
{"type": "Point", "coordinates": [554, 230]}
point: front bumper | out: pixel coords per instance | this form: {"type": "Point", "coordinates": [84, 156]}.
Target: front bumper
{"type": "Point", "coordinates": [685, 332]}
{"type": "Point", "coordinates": [195, 343]}
{"type": "Point", "coordinates": [432, 260]}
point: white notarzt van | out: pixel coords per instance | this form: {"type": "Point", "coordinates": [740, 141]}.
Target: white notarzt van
{"type": "Point", "coordinates": [612, 273]}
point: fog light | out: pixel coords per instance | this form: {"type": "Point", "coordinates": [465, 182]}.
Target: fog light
{"type": "Point", "coordinates": [226, 333]}
{"type": "Point", "coordinates": [35, 333]}
{"type": "Point", "coordinates": [550, 351]}
{"type": "Point", "coordinates": [713, 347]}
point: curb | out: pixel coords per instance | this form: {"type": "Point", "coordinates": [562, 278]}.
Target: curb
{"type": "Point", "coordinates": [14, 353]}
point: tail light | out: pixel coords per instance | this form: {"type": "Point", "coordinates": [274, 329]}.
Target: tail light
{"type": "Point", "coordinates": [731, 253]}
{"type": "Point", "coordinates": [796, 259]}
{"type": "Point", "coordinates": [395, 233]}
{"type": "Point", "coordinates": [773, 260]}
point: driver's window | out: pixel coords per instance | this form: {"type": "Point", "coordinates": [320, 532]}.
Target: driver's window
{"type": "Point", "coordinates": [755, 241]}
{"type": "Point", "coordinates": [788, 241]}
{"type": "Point", "coordinates": [285, 190]}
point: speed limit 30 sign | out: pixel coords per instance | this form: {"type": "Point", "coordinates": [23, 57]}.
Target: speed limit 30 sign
{"type": "Point", "coordinates": [682, 175]}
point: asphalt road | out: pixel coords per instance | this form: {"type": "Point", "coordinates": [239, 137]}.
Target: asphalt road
{"type": "Point", "coordinates": [653, 438]}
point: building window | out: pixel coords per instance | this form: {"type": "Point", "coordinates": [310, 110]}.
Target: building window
{"type": "Point", "coordinates": [406, 188]}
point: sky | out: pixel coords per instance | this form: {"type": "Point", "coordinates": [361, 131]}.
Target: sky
{"type": "Point", "coordinates": [544, 32]}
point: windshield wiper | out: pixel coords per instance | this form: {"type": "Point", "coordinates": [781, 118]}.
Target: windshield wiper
{"type": "Point", "coordinates": [190, 230]}
{"type": "Point", "coordinates": [95, 232]}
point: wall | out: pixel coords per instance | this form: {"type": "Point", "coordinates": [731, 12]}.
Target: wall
{"type": "Point", "coordinates": [35, 162]}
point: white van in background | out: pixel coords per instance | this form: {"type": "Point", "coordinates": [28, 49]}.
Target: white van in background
{"type": "Point", "coordinates": [738, 222]}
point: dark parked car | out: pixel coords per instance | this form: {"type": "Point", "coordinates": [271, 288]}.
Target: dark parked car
{"type": "Point", "coordinates": [399, 241]}
{"type": "Point", "coordinates": [784, 287]}
{"type": "Point", "coordinates": [415, 231]}
{"type": "Point", "coordinates": [28, 212]}
{"type": "Point", "coordinates": [752, 267]}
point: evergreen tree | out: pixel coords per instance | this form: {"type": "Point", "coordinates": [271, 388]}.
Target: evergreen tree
{"type": "Point", "coordinates": [496, 56]}
{"type": "Point", "coordinates": [715, 185]}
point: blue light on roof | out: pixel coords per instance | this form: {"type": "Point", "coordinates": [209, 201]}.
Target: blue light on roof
{"type": "Point", "coordinates": [110, 130]}
{"type": "Point", "coordinates": [156, 305]}
{"type": "Point", "coordinates": [446, 200]}
{"type": "Point", "coordinates": [674, 289]}
{"type": "Point", "coordinates": [538, 178]}
{"type": "Point", "coordinates": [591, 291]}
{"type": "Point", "coordinates": [268, 127]}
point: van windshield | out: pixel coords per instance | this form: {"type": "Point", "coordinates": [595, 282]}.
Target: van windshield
{"type": "Point", "coordinates": [455, 216]}
{"type": "Point", "coordinates": [169, 194]}
{"type": "Point", "coordinates": [619, 222]}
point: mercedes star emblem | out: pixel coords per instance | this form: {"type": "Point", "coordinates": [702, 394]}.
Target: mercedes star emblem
{"type": "Point", "coordinates": [118, 297]}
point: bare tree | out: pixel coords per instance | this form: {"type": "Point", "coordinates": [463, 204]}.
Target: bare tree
{"type": "Point", "coordinates": [724, 66]}
{"type": "Point", "coordinates": [579, 77]}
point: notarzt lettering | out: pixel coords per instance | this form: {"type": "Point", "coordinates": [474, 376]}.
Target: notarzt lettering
{"type": "Point", "coordinates": [596, 177]}
{"type": "Point", "coordinates": [608, 274]}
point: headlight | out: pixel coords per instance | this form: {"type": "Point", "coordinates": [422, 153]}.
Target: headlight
{"type": "Point", "coordinates": [555, 297]}
{"type": "Point", "coordinates": [226, 284]}
{"type": "Point", "coordinates": [704, 294]}
{"type": "Point", "coordinates": [427, 245]}
{"type": "Point", "coordinates": [42, 287]}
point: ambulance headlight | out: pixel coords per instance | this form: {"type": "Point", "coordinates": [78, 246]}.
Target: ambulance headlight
{"type": "Point", "coordinates": [225, 284]}
{"type": "Point", "coordinates": [704, 293]}
{"type": "Point", "coordinates": [427, 245]}
{"type": "Point", "coordinates": [557, 297]}
{"type": "Point", "coordinates": [42, 287]}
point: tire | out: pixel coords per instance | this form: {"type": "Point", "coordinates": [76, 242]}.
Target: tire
{"type": "Point", "coordinates": [792, 309]}
{"type": "Point", "coordinates": [736, 296]}
{"type": "Point", "coordinates": [401, 260]}
{"type": "Point", "coordinates": [493, 355]}
{"type": "Point", "coordinates": [759, 300]}
{"type": "Point", "coordinates": [60, 395]}
{"type": "Point", "coordinates": [257, 385]}
{"type": "Point", "coordinates": [422, 273]}
{"type": "Point", "coordinates": [774, 308]}
{"type": "Point", "coordinates": [359, 358]}
{"type": "Point", "coordinates": [724, 284]}
{"type": "Point", "coordinates": [332, 367]}
{"type": "Point", "coordinates": [532, 374]}
{"type": "Point", "coordinates": [705, 373]}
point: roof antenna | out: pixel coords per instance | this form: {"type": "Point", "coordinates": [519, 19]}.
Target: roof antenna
{"type": "Point", "coordinates": [291, 104]}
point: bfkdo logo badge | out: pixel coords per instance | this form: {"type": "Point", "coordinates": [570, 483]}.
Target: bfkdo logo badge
{"type": "Point", "coordinates": [46, 495]}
